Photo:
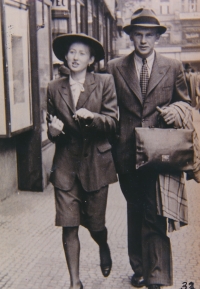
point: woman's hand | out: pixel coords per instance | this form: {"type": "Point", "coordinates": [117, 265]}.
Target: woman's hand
{"type": "Point", "coordinates": [55, 126]}
{"type": "Point", "coordinates": [168, 114]}
{"type": "Point", "coordinates": [84, 113]}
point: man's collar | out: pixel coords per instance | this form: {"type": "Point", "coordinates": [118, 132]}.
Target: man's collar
{"type": "Point", "coordinates": [149, 59]}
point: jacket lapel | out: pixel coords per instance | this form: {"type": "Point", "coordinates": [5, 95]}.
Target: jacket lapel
{"type": "Point", "coordinates": [89, 86]}
{"type": "Point", "coordinates": [159, 70]}
{"type": "Point", "coordinates": [129, 73]}
{"type": "Point", "coordinates": [67, 95]}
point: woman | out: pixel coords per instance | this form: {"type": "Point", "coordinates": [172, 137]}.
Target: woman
{"type": "Point", "coordinates": [82, 113]}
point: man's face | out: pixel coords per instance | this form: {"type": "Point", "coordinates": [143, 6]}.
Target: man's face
{"type": "Point", "coordinates": [188, 70]}
{"type": "Point", "coordinates": [144, 40]}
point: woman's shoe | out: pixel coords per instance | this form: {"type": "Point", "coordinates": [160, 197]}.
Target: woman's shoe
{"type": "Point", "coordinates": [105, 260]}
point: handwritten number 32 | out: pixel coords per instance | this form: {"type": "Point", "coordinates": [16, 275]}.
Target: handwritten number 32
{"type": "Point", "coordinates": [184, 285]}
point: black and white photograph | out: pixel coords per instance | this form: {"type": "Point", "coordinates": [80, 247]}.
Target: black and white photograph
{"type": "Point", "coordinates": [99, 144]}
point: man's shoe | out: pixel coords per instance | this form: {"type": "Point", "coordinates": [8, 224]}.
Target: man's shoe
{"type": "Point", "coordinates": [154, 286]}
{"type": "Point", "coordinates": [105, 259]}
{"type": "Point", "coordinates": [137, 281]}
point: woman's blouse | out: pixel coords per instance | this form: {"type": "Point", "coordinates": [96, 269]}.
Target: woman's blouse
{"type": "Point", "coordinates": [76, 88]}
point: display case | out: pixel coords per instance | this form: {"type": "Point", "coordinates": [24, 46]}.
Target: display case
{"type": "Point", "coordinates": [15, 78]}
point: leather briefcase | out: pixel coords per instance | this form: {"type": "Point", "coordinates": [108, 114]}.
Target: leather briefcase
{"type": "Point", "coordinates": [164, 149]}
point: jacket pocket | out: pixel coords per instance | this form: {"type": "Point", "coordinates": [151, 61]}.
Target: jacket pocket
{"type": "Point", "coordinates": [104, 147]}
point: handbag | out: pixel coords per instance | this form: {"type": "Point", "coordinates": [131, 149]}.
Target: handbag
{"type": "Point", "coordinates": [164, 149]}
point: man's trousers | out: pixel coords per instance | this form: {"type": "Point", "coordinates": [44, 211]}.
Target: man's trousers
{"type": "Point", "coordinates": [148, 245]}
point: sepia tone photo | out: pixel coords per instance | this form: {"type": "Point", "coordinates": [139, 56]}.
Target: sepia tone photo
{"type": "Point", "coordinates": [99, 144]}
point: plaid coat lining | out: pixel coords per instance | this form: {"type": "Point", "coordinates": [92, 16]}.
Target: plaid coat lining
{"type": "Point", "coordinates": [170, 188]}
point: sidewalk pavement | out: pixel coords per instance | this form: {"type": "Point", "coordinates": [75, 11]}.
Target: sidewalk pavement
{"type": "Point", "coordinates": [32, 257]}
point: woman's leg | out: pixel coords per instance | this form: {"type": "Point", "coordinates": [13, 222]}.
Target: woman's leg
{"type": "Point", "coordinates": [100, 237]}
{"type": "Point", "coordinates": [71, 246]}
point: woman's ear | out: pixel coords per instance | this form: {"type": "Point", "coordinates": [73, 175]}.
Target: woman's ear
{"type": "Point", "coordinates": [92, 59]}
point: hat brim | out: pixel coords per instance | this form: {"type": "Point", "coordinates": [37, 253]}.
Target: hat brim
{"type": "Point", "coordinates": [62, 42]}
{"type": "Point", "coordinates": [161, 29]}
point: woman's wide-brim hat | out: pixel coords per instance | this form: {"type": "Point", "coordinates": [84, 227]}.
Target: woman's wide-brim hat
{"type": "Point", "coordinates": [62, 43]}
{"type": "Point", "coordinates": [144, 18]}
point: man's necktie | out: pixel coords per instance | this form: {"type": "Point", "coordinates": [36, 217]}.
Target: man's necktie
{"type": "Point", "coordinates": [144, 78]}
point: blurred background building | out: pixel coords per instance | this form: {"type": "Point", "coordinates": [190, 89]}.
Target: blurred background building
{"type": "Point", "coordinates": [27, 64]}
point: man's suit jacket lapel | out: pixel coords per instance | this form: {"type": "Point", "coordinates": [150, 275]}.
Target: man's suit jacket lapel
{"type": "Point", "coordinates": [128, 71]}
{"type": "Point", "coordinates": [89, 86]}
{"type": "Point", "coordinates": [159, 70]}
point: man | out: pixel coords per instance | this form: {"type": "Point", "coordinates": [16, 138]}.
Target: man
{"type": "Point", "coordinates": [148, 245]}
{"type": "Point", "coordinates": [191, 80]}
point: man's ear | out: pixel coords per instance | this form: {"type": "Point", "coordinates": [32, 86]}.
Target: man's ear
{"type": "Point", "coordinates": [131, 36]}
{"type": "Point", "coordinates": [157, 36]}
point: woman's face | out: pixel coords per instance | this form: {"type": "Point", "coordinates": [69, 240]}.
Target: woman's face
{"type": "Point", "coordinates": [78, 57]}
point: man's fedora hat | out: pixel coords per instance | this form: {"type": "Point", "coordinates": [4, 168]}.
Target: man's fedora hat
{"type": "Point", "coordinates": [62, 43]}
{"type": "Point", "coordinates": [144, 18]}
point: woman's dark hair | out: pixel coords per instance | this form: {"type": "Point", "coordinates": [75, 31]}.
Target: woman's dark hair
{"type": "Point", "coordinates": [92, 53]}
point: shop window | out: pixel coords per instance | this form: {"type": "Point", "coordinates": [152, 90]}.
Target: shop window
{"type": "Point", "coordinates": [101, 25]}
{"type": "Point", "coordinates": [90, 18]}
{"type": "Point", "coordinates": [60, 17]}
{"type": "Point", "coordinates": [78, 9]}
{"type": "Point", "coordinates": [44, 60]}
{"type": "Point", "coordinates": [17, 75]}
{"type": "Point", "coordinates": [17, 69]}
{"type": "Point", "coordinates": [73, 16]}
{"type": "Point", "coordinates": [95, 20]}
{"type": "Point", "coordinates": [77, 12]}
{"type": "Point", "coordinates": [79, 16]}
{"type": "Point", "coordinates": [2, 97]}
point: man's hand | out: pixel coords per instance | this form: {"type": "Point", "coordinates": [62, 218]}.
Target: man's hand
{"type": "Point", "coordinates": [55, 126]}
{"type": "Point", "coordinates": [84, 113]}
{"type": "Point", "coordinates": [168, 114]}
